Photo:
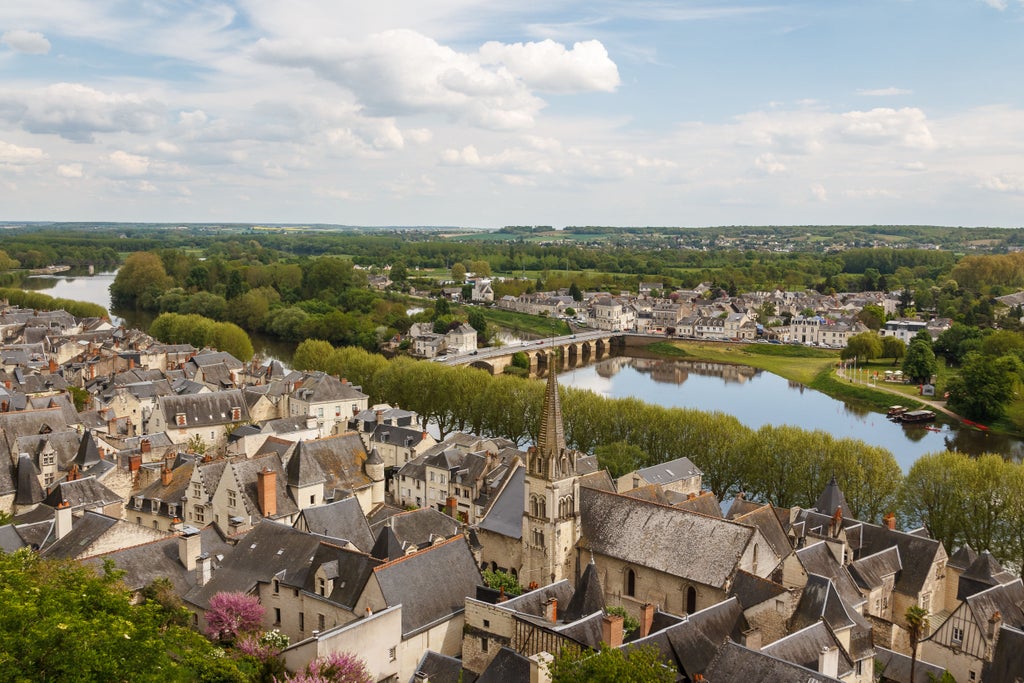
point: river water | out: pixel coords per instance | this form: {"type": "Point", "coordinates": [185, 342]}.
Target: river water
{"type": "Point", "coordinates": [758, 398]}
{"type": "Point", "coordinates": [754, 396]}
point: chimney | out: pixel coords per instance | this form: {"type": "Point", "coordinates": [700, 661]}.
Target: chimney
{"type": "Point", "coordinates": [73, 472]}
{"type": "Point", "coordinates": [611, 630]}
{"type": "Point", "coordinates": [452, 507]}
{"type": "Point", "coordinates": [646, 619]}
{"type": "Point", "coordinates": [189, 549]}
{"type": "Point", "coordinates": [134, 462]}
{"type": "Point", "coordinates": [145, 446]}
{"type": "Point", "coordinates": [266, 489]}
{"type": "Point", "coordinates": [828, 661]}
{"type": "Point", "coordinates": [425, 435]}
{"type": "Point", "coordinates": [551, 610]}
{"type": "Point", "coordinates": [204, 569]}
{"type": "Point", "coordinates": [890, 521]}
{"type": "Point", "coordinates": [165, 475]}
{"type": "Point", "coordinates": [53, 366]}
{"type": "Point", "coordinates": [62, 520]}
{"type": "Point", "coordinates": [131, 363]}
{"type": "Point", "coordinates": [379, 415]}
{"type": "Point", "coordinates": [993, 625]}
{"type": "Point", "coordinates": [751, 639]}
{"type": "Point", "coordinates": [540, 667]}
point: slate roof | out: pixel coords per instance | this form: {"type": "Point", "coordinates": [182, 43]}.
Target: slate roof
{"type": "Point", "coordinates": [85, 531]}
{"type": "Point", "coordinates": [341, 519]}
{"type": "Point", "coordinates": [870, 572]}
{"type": "Point", "coordinates": [142, 564]}
{"type": "Point", "coordinates": [765, 520]}
{"type": "Point", "coordinates": [419, 527]}
{"type": "Point", "coordinates": [303, 468]}
{"type": "Point", "coordinates": [431, 585]}
{"type": "Point", "coordinates": [86, 492]}
{"type": "Point", "coordinates": [895, 668]}
{"type": "Point", "coordinates": [1008, 658]}
{"type": "Point", "coordinates": [10, 541]}
{"type": "Point", "coordinates": [670, 472]}
{"type": "Point", "coordinates": [691, 642]}
{"type": "Point", "coordinates": [751, 589]}
{"type": "Point", "coordinates": [30, 491]}
{"type": "Point", "coordinates": [917, 554]}
{"type": "Point", "coordinates": [505, 515]}
{"type": "Point", "coordinates": [831, 498]}
{"type": "Point", "coordinates": [88, 454]}
{"type": "Point", "coordinates": [246, 473]}
{"type": "Point", "coordinates": [663, 538]}
{"type": "Point", "coordinates": [440, 668]}
{"type": "Point", "coordinates": [202, 410]}
{"type": "Point", "coordinates": [963, 558]}
{"type": "Point", "coordinates": [319, 387]}
{"type": "Point", "coordinates": [734, 662]}
{"type": "Point", "coordinates": [508, 666]}
{"type": "Point", "coordinates": [8, 476]}
{"type": "Point", "coordinates": [588, 597]}
{"type": "Point", "coordinates": [341, 459]}
{"type": "Point", "coordinates": [387, 547]}
{"type": "Point", "coordinates": [804, 646]}
{"type": "Point", "coordinates": [1007, 599]}
{"type": "Point", "coordinates": [983, 573]}
{"type": "Point", "coordinates": [818, 559]}
{"type": "Point", "coordinates": [705, 503]}
{"type": "Point", "coordinates": [820, 600]}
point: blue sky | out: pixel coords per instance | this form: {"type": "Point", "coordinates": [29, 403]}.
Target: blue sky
{"type": "Point", "coordinates": [459, 112]}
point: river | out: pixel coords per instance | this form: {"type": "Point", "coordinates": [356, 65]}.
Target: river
{"type": "Point", "coordinates": [757, 398]}
{"type": "Point", "coordinates": [754, 396]}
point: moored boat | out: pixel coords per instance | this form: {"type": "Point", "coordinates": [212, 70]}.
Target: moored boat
{"type": "Point", "coordinates": [895, 411]}
{"type": "Point", "coordinates": [912, 416]}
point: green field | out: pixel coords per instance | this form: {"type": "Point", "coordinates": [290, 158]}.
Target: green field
{"type": "Point", "coordinates": [524, 323]}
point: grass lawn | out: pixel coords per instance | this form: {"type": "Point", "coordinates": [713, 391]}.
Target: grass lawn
{"type": "Point", "coordinates": [524, 322]}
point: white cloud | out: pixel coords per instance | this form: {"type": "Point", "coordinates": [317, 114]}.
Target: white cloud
{"type": "Point", "coordinates": [997, 4]}
{"type": "Point", "coordinates": [71, 171]}
{"type": "Point", "coordinates": [907, 127]}
{"type": "Point", "coordinates": [769, 164]}
{"type": "Point", "coordinates": [1008, 183]}
{"type": "Point", "coordinates": [26, 42]}
{"type": "Point", "coordinates": [402, 72]}
{"type": "Point", "coordinates": [884, 92]}
{"type": "Point", "coordinates": [818, 192]}
{"type": "Point", "coordinates": [77, 112]}
{"type": "Point", "coordinates": [548, 66]}
{"type": "Point", "coordinates": [15, 155]}
{"type": "Point", "coordinates": [128, 164]}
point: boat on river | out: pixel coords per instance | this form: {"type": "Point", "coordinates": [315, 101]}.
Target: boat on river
{"type": "Point", "coordinates": [914, 416]}
{"type": "Point", "coordinates": [895, 411]}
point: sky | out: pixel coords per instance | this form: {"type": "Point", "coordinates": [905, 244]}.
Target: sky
{"type": "Point", "coordinates": [485, 114]}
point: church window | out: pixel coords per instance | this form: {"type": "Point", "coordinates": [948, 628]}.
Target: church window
{"type": "Point", "coordinates": [629, 587]}
{"type": "Point", "coordinates": [691, 600]}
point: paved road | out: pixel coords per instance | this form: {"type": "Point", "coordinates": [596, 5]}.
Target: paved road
{"type": "Point", "coordinates": [497, 351]}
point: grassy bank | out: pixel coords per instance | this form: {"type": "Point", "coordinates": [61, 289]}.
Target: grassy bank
{"type": "Point", "coordinates": [810, 366]}
{"type": "Point", "coordinates": [525, 323]}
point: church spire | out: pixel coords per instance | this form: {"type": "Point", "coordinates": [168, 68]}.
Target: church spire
{"type": "Point", "coordinates": [551, 440]}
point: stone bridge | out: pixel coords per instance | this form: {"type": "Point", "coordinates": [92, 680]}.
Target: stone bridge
{"type": "Point", "coordinates": [576, 349]}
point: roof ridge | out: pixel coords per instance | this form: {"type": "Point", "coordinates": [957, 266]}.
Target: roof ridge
{"type": "Point", "coordinates": [389, 563]}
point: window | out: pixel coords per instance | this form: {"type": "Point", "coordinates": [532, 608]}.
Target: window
{"type": "Point", "coordinates": [302, 621]}
{"type": "Point", "coordinates": [312, 499]}
{"type": "Point", "coordinates": [958, 634]}
{"type": "Point", "coordinates": [49, 458]}
{"type": "Point", "coordinates": [691, 600]}
{"type": "Point", "coordinates": [196, 490]}
{"type": "Point", "coordinates": [277, 616]}
{"type": "Point", "coordinates": [321, 586]}
{"type": "Point", "coordinates": [483, 644]}
{"type": "Point", "coordinates": [431, 477]}
{"type": "Point", "coordinates": [172, 510]}
{"type": "Point", "coordinates": [487, 623]}
{"type": "Point", "coordinates": [392, 653]}
{"type": "Point", "coordinates": [320, 412]}
{"type": "Point", "coordinates": [232, 499]}
{"type": "Point", "coordinates": [629, 585]}
{"type": "Point", "coordinates": [48, 479]}
{"type": "Point", "coordinates": [277, 588]}
{"type": "Point", "coordinates": [199, 514]}
{"type": "Point", "coordinates": [320, 622]}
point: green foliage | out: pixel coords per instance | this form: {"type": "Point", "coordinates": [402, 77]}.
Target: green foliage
{"type": "Point", "coordinates": [893, 348]}
{"type": "Point", "coordinates": [985, 385]}
{"type": "Point", "coordinates": [629, 622]}
{"type": "Point", "coordinates": [641, 664]}
{"type": "Point", "coordinates": [498, 580]}
{"type": "Point", "coordinates": [44, 302]}
{"type": "Point", "coordinates": [520, 360]}
{"type": "Point", "coordinates": [64, 622]}
{"type": "Point", "coordinates": [200, 332]}
{"type": "Point", "coordinates": [620, 458]}
{"type": "Point", "coordinates": [863, 347]}
{"type": "Point", "coordinates": [80, 397]}
{"type": "Point", "coordinates": [140, 281]}
{"type": "Point", "coordinates": [919, 363]}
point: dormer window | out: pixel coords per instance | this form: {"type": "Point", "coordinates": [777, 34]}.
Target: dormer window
{"type": "Point", "coordinates": [236, 414]}
{"type": "Point", "coordinates": [180, 419]}
{"type": "Point", "coordinates": [138, 502]}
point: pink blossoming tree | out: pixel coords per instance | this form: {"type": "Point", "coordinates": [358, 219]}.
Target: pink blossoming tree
{"type": "Point", "coordinates": [231, 615]}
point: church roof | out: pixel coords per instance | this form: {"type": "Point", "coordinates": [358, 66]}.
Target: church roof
{"type": "Point", "coordinates": [551, 439]}
{"type": "Point", "coordinates": [831, 498]}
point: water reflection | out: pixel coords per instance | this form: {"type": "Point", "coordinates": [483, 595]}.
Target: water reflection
{"type": "Point", "coordinates": [758, 398]}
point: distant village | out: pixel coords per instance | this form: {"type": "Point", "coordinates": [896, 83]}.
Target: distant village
{"type": "Point", "coordinates": [798, 317]}
{"type": "Point", "coordinates": [359, 532]}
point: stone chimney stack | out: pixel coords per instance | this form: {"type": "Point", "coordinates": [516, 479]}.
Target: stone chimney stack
{"type": "Point", "coordinates": [828, 661]}
{"type": "Point", "coordinates": [890, 521]}
{"type": "Point", "coordinates": [266, 490]}
{"type": "Point", "coordinates": [189, 549]}
{"type": "Point", "coordinates": [204, 569]}
{"type": "Point", "coordinates": [646, 619]}
{"type": "Point", "coordinates": [540, 669]}
{"type": "Point", "coordinates": [611, 630]}
{"type": "Point", "coordinates": [551, 610]}
{"type": "Point", "coordinates": [165, 475]}
{"type": "Point", "coordinates": [62, 521]}
{"type": "Point", "coordinates": [994, 622]}
{"type": "Point", "coordinates": [451, 505]}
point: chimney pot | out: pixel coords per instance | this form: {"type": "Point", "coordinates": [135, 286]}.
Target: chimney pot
{"type": "Point", "coordinates": [551, 610]}
{"type": "Point", "coordinates": [611, 630]}
{"type": "Point", "coordinates": [646, 619]}
{"type": "Point", "coordinates": [890, 521]}
{"type": "Point", "coordinates": [165, 476]}
{"type": "Point", "coordinates": [62, 519]}
{"type": "Point", "coordinates": [189, 550]}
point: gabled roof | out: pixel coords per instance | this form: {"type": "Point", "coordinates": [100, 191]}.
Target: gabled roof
{"type": "Point", "coordinates": [201, 410]}
{"type": "Point", "coordinates": [86, 492]}
{"type": "Point", "coordinates": [751, 589]}
{"type": "Point", "coordinates": [870, 572]}
{"type": "Point", "coordinates": [387, 547]}
{"type": "Point", "coordinates": [1007, 599]}
{"type": "Point", "coordinates": [983, 573]}
{"type": "Point", "coordinates": [963, 558]}
{"type": "Point", "coordinates": [820, 600]}
{"type": "Point", "coordinates": [663, 538]}
{"type": "Point", "coordinates": [895, 666]}
{"type": "Point", "coordinates": [431, 585]}
{"type": "Point", "coordinates": [341, 459]}
{"type": "Point", "coordinates": [734, 662]}
{"type": "Point", "coordinates": [419, 528]}
{"type": "Point", "coordinates": [319, 387]}
{"type": "Point", "coordinates": [441, 668]}
{"type": "Point", "coordinates": [1008, 659]}
{"type": "Point", "coordinates": [505, 516]}
{"type": "Point", "coordinates": [30, 491]}
{"type": "Point", "coordinates": [508, 666]}
{"type": "Point", "coordinates": [766, 521]}
{"type": "Point", "coordinates": [804, 646]}
{"type": "Point", "coordinates": [88, 454]}
{"type": "Point", "coordinates": [340, 519]}
{"type": "Point", "coordinates": [303, 468]}
{"type": "Point", "coordinates": [818, 559]}
{"type": "Point", "coordinates": [84, 532]}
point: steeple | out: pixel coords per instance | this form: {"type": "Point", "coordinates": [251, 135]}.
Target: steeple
{"type": "Point", "coordinates": [551, 440]}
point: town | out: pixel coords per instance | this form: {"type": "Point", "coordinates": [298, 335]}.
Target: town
{"type": "Point", "coordinates": [465, 558]}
